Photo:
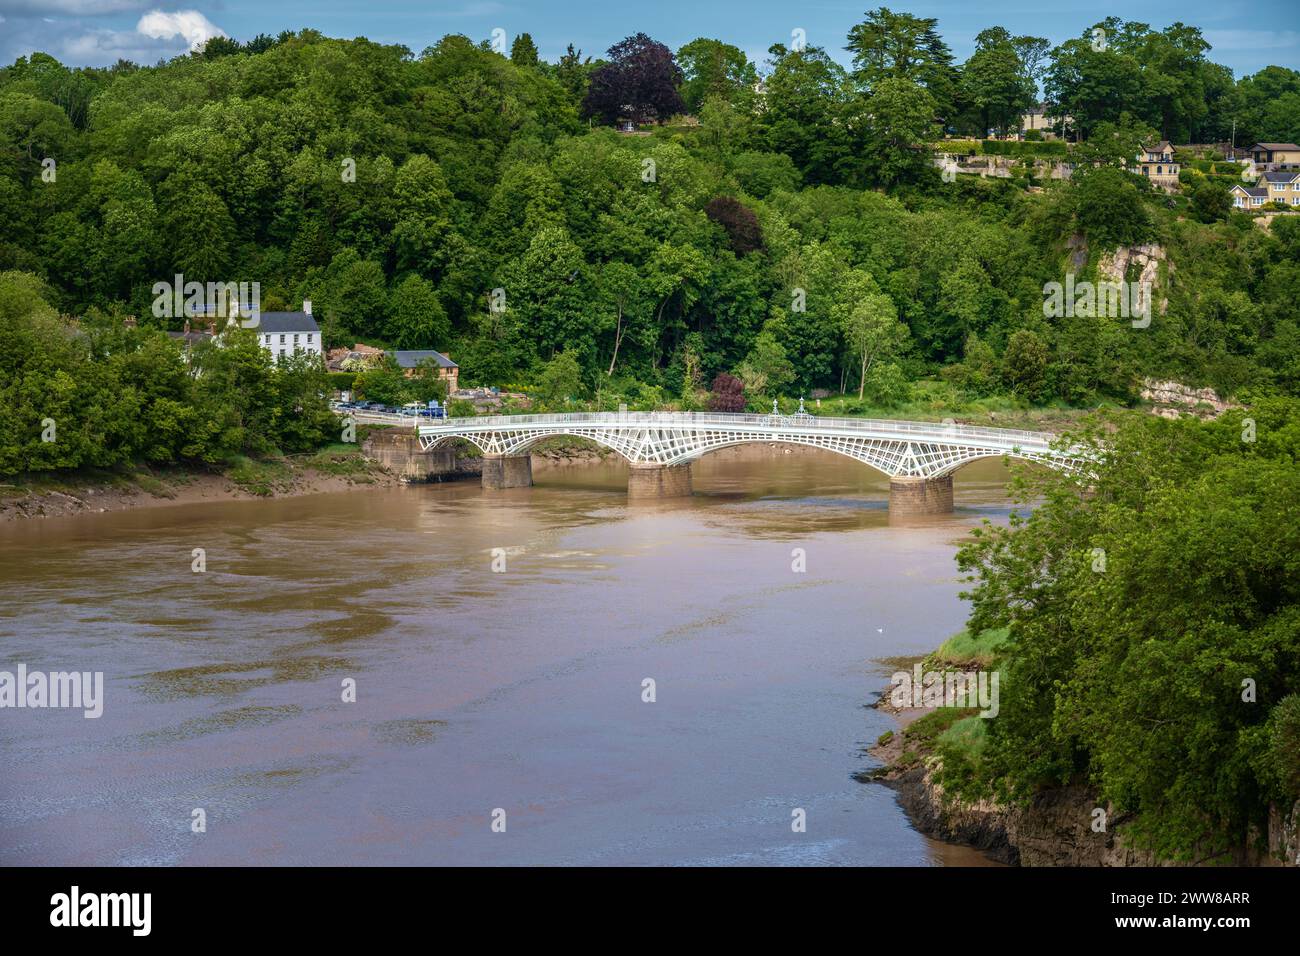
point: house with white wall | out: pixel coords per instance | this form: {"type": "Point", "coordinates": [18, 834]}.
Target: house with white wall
{"type": "Point", "coordinates": [284, 333]}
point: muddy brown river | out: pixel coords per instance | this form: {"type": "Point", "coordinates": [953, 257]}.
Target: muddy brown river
{"type": "Point", "coordinates": [499, 716]}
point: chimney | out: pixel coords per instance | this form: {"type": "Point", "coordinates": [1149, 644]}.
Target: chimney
{"type": "Point", "coordinates": [306, 306]}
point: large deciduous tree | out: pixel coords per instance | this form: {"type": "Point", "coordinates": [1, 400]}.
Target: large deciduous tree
{"type": "Point", "coordinates": [640, 82]}
{"type": "Point", "coordinates": [713, 68]}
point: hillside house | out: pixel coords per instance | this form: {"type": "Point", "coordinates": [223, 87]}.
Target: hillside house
{"type": "Point", "coordinates": [1269, 157]}
{"type": "Point", "coordinates": [408, 361]}
{"type": "Point", "coordinates": [1157, 164]}
{"type": "Point", "coordinates": [284, 333]}
{"type": "Point", "coordinates": [1280, 186]}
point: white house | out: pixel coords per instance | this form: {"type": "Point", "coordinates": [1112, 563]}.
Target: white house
{"type": "Point", "coordinates": [283, 333]}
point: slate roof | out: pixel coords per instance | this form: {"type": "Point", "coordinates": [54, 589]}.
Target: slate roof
{"type": "Point", "coordinates": [1252, 190]}
{"type": "Point", "coordinates": [275, 322]}
{"type": "Point", "coordinates": [1282, 177]}
{"type": "Point", "coordinates": [1272, 147]}
{"type": "Point", "coordinates": [191, 338]}
{"type": "Point", "coordinates": [412, 358]}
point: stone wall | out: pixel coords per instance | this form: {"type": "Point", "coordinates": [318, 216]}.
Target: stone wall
{"type": "Point", "coordinates": [398, 450]}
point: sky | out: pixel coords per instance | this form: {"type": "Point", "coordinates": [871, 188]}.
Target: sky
{"type": "Point", "coordinates": [1245, 36]}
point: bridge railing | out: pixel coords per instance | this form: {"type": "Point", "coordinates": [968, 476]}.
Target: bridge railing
{"type": "Point", "coordinates": [763, 422]}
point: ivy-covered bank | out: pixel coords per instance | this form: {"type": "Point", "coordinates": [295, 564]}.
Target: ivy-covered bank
{"type": "Point", "coordinates": [1145, 623]}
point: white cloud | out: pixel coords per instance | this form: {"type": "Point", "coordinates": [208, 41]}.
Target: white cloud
{"type": "Point", "coordinates": [190, 24]}
{"type": "Point", "coordinates": [158, 35]}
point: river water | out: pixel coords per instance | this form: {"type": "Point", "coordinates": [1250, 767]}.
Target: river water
{"type": "Point", "coordinates": [519, 691]}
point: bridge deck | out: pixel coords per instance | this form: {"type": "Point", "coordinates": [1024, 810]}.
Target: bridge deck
{"type": "Point", "coordinates": [898, 448]}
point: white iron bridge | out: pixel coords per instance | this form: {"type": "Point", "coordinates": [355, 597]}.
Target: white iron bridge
{"type": "Point", "coordinates": [900, 449]}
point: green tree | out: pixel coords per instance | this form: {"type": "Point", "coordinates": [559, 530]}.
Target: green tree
{"type": "Point", "coordinates": [523, 52]}
{"type": "Point", "coordinates": [713, 68]}
{"type": "Point", "coordinates": [899, 126]}
{"type": "Point", "coordinates": [416, 318]}
{"type": "Point", "coordinates": [1124, 582]}
{"type": "Point", "coordinates": [1211, 201]}
{"type": "Point", "coordinates": [1108, 207]}
{"type": "Point", "coordinates": [900, 46]}
{"type": "Point", "coordinates": [1024, 365]}
{"type": "Point", "coordinates": [560, 380]}
{"type": "Point", "coordinates": [804, 110]}
{"type": "Point", "coordinates": [998, 82]}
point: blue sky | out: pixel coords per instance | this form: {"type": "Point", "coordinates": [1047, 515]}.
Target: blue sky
{"type": "Point", "coordinates": [1245, 36]}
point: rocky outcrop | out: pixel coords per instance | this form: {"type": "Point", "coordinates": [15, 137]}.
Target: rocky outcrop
{"type": "Point", "coordinates": [1145, 260]}
{"type": "Point", "coordinates": [1057, 827]}
{"type": "Point", "coordinates": [1284, 835]}
{"type": "Point", "coordinates": [981, 825]}
{"type": "Point", "coordinates": [1173, 399]}
{"type": "Point", "coordinates": [1060, 826]}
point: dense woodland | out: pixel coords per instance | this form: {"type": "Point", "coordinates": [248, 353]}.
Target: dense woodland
{"type": "Point", "coordinates": [757, 242]}
{"type": "Point", "coordinates": [795, 236]}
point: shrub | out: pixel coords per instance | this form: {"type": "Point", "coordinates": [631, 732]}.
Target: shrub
{"type": "Point", "coordinates": [728, 394]}
{"type": "Point", "coordinates": [739, 222]}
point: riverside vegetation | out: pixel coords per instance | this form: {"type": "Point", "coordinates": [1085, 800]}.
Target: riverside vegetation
{"type": "Point", "coordinates": [1146, 624]}
{"type": "Point", "coordinates": [741, 250]}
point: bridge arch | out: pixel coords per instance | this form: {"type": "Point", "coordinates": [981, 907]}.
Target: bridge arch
{"type": "Point", "coordinates": [888, 457]}
{"type": "Point", "coordinates": [919, 458]}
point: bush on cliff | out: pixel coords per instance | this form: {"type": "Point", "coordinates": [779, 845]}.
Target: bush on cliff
{"type": "Point", "coordinates": [1156, 611]}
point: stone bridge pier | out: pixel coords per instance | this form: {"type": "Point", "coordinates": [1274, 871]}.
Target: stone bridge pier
{"type": "Point", "coordinates": [507, 471]}
{"type": "Point", "coordinates": [652, 480]}
{"type": "Point", "coordinates": [920, 496]}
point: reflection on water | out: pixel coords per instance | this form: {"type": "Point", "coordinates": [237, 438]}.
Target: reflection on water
{"type": "Point", "coordinates": [477, 690]}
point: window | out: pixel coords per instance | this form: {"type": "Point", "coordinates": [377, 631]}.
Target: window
{"type": "Point", "coordinates": [281, 353]}
{"type": "Point", "coordinates": [309, 338]}
{"type": "Point", "coordinates": [1259, 200]}
{"type": "Point", "coordinates": [267, 337]}
{"type": "Point", "coordinates": [295, 338]}
{"type": "Point", "coordinates": [1160, 171]}
{"type": "Point", "coordinates": [281, 342]}
{"type": "Point", "coordinates": [1295, 200]}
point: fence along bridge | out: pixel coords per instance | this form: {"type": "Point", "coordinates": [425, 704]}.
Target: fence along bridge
{"type": "Point", "coordinates": [918, 457]}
